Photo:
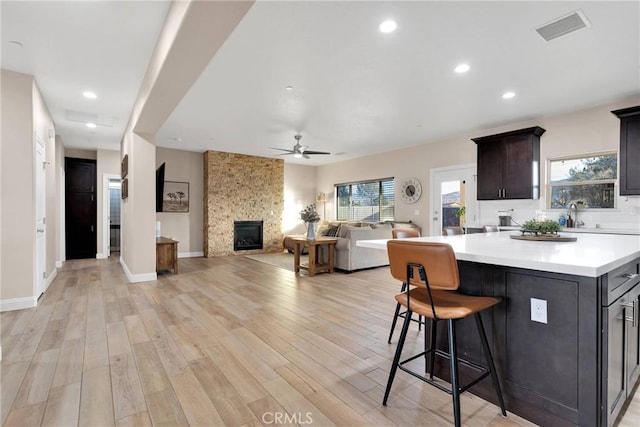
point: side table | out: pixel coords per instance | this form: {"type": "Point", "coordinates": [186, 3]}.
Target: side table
{"type": "Point", "coordinates": [166, 254]}
{"type": "Point", "coordinates": [315, 265]}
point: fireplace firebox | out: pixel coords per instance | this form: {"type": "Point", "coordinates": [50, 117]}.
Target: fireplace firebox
{"type": "Point", "coordinates": [247, 235]}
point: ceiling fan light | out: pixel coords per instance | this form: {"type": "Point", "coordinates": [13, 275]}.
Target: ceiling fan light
{"type": "Point", "coordinates": [297, 155]}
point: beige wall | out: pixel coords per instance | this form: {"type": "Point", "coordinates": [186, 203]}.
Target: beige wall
{"type": "Point", "coordinates": [299, 191]}
{"type": "Point", "coordinates": [24, 115]}
{"type": "Point", "coordinates": [18, 225]}
{"type": "Point", "coordinates": [60, 198]}
{"type": "Point", "coordinates": [591, 130]}
{"type": "Point", "coordinates": [81, 154]}
{"type": "Point", "coordinates": [187, 228]}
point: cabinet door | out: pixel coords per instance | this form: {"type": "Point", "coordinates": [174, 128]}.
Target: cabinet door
{"type": "Point", "coordinates": [518, 169]}
{"type": "Point", "coordinates": [616, 384]}
{"type": "Point", "coordinates": [632, 312]}
{"type": "Point", "coordinates": [630, 155]}
{"type": "Point", "coordinates": [490, 163]}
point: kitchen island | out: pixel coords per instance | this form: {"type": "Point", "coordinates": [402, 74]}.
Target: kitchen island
{"type": "Point", "coordinates": [578, 362]}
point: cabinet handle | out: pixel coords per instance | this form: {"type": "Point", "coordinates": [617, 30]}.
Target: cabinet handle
{"type": "Point", "coordinates": [629, 275]}
{"type": "Point", "coordinates": [634, 318]}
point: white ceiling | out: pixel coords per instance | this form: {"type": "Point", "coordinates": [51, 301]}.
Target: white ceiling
{"type": "Point", "coordinates": [356, 91]}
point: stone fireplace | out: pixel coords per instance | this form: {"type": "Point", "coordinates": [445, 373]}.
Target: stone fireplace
{"type": "Point", "coordinates": [240, 188]}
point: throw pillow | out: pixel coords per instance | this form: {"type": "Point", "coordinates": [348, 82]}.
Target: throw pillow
{"type": "Point", "coordinates": [332, 231]}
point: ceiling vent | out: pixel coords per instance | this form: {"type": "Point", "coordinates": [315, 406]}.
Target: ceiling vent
{"type": "Point", "coordinates": [564, 25]}
{"type": "Point", "coordinates": [79, 116]}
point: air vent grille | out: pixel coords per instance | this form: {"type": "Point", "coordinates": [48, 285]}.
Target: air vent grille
{"type": "Point", "coordinates": [565, 25]}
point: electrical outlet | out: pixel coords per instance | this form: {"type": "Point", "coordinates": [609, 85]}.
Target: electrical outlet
{"type": "Point", "coordinates": [416, 212]}
{"type": "Point", "coordinates": [539, 310]}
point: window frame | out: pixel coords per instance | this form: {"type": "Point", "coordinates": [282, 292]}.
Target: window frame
{"type": "Point", "coordinates": [379, 181]}
{"type": "Point", "coordinates": [614, 181]}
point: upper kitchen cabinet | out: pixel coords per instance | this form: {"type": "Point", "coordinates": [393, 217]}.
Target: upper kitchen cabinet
{"type": "Point", "coordinates": [629, 150]}
{"type": "Point", "coordinates": [509, 165]}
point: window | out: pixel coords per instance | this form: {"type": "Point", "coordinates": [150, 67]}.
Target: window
{"type": "Point", "coordinates": [588, 180]}
{"type": "Point", "coordinates": [366, 201]}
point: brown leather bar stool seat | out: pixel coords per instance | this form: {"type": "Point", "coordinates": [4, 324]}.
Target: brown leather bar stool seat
{"type": "Point", "coordinates": [400, 233]}
{"type": "Point", "coordinates": [490, 229]}
{"type": "Point", "coordinates": [452, 231]}
{"type": "Point", "coordinates": [430, 271]}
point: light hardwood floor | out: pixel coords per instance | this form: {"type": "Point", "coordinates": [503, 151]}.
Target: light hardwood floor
{"type": "Point", "coordinates": [229, 341]}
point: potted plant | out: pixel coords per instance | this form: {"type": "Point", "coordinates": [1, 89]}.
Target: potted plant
{"type": "Point", "coordinates": [542, 227]}
{"type": "Point", "coordinates": [310, 217]}
{"type": "Point", "coordinates": [460, 214]}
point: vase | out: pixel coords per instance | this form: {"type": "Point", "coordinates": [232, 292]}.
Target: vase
{"type": "Point", "coordinates": [311, 231]}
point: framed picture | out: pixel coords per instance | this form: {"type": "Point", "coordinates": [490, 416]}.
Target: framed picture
{"type": "Point", "coordinates": [125, 166]}
{"type": "Point", "coordinates": [124, 189]}
{"type": "Point", "coordinates": [175, 197]}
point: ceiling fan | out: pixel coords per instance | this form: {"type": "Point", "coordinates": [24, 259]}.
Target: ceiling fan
{"type": "Point", "coordinates": [299, 150]}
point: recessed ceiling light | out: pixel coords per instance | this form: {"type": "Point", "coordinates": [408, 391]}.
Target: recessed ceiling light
{"type": "Point", "coordinates": [508, 95]}
{"type": "Point", "coordinates": [462, 68]}
{"type": "Point", "coordinates": [388, 26]}
{"type": "Point", "coordinates": [89, 94]}
{"type": "Point", "coordinates": [91, 125]}
{"type": "Point", "coordinates": [289, 88]}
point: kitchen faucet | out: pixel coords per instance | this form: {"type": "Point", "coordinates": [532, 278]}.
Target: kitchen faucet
{"type": "Point", "coordinates": [574, 223]}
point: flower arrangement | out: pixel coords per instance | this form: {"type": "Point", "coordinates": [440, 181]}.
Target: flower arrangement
{"type": "Point", "coordinates": [309, 214]}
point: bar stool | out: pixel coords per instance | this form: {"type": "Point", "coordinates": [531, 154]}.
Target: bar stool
{"type": "Point", "coordinates": [430, 271]}
{"type": "Point", "coordinates": [452, 231]}
{"type": "Point", "coordinates": [399, 233]}
{"type": "Point", "coordinates": [490, 229]}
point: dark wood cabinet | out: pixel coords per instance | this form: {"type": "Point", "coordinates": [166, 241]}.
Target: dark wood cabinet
{"type": "Point", "coordinates": [622, 357]}
{"type": "Point", "coordinates": [629, 150]}
{"type": "Point", "coordinates": [509, 165]}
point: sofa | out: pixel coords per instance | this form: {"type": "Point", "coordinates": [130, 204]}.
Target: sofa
{"type": "Point", "coordinates": [348, 256]}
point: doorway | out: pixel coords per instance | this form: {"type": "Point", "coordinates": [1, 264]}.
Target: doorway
{"type": "Point", "coordinates": [80, 208]}
{"type": "Point", "coordinates": [453, 192]}
{"type": "Point", "coordinates": [113, 216]}
{"type": "Point", "coordinates": [41, 242]}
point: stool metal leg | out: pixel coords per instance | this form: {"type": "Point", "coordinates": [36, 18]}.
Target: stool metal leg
{"type": "Point", "coordinates": [434, 328]}
{"type": "Point", "coordinates": [492, 367]}
{"type": "Point", "coordinates": [453, 358]}
{"type": "Point", "coordinates": [396, 358]}
{"type": "Point", "coordinates": [395, 315]}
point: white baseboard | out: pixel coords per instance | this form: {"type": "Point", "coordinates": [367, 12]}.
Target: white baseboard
{"type": "Point", "coordinates": [50, 279]}
{"type": "Point", "coordinates": [190, 254]}
{"type": "Point", "coordinates": [135, 278]}
{"type": "Point", "coordinates": [18, 303]}
{"type": "Point", "coordinates": [101, 256]}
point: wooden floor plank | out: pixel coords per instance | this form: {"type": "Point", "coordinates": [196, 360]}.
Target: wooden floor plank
{"type": "Point", "coordinates": [228, 341]}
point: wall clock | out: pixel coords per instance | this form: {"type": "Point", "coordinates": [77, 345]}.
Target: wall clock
{"type": "Point", "coordinates": [411, 190]}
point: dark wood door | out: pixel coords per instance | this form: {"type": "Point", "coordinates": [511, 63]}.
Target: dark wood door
{"type": "Point", "coordinates": [80, 208]}
{"type": "Point", "coordinates": [632, 309]}
{"type": "Point", "coordinates": [629, 150]}
{"type": "Point", "coordinates": [518, 167]}
{"type": "Point", "coordinates": [490, 159]}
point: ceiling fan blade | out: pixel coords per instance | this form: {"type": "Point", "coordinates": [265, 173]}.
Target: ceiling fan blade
{"type": "Point", "coordinates": [316, 152]}
{"type": "Point", "coordinates": [282, 149]}
{"type": "Point", "coordinates": [305, 156]}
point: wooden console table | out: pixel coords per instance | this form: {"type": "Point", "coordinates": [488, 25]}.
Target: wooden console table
{"type": "Point", "coordinates": [315, 265]}
{"type": "Point", "coordinates": [166, 254]}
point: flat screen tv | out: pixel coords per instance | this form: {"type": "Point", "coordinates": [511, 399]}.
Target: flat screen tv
{"type": "Point", "coordinates": [159, 187]}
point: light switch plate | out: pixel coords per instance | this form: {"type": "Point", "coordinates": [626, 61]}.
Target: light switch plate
{"type": "Point", "coordinates": [539, 310]}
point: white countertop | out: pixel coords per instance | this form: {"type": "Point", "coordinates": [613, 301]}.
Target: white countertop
{"type": "Point", "coordinates": [592, 255]}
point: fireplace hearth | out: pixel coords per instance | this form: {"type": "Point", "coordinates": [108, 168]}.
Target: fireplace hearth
{"type": "Point", "coordinates": [247, 235]}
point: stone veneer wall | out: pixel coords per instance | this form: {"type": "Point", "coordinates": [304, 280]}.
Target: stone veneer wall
{"type": "Point", "coordinates": [241, 188]}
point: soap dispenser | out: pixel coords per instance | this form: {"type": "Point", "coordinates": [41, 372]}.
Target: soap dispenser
{"type": "Point", "coordinates": [569, 221]}
{"type": "Point", "coordinates": [562, 220]}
